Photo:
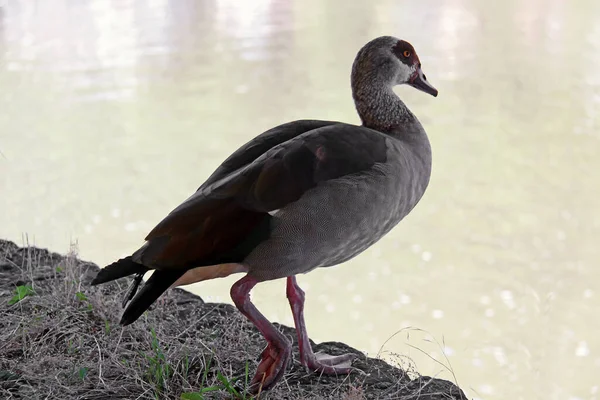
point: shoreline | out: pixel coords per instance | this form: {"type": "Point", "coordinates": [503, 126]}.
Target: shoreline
{"type": "Point", "coordinates": [62, 340]}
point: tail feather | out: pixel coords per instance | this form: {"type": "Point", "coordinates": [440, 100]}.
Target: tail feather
{"type": "Point", "coordinates": [156, 285]}
{"type": "Point", "coordinates": [119, 269]}
{"type": "Point", "coordinates": [132, 289]}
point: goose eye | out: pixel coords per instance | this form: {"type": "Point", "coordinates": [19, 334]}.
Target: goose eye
{"type": "Point", "coordinates": [406, 53]}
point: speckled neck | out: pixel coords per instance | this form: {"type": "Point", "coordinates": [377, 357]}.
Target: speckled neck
{"type": "Point", "coordinates": [381, 109]}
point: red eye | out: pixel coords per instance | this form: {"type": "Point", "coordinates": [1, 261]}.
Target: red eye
{"type": "Point", "coordinates": [406, 53]}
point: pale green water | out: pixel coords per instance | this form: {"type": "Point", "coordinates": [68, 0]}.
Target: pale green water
{"type": "Point", "coordinates": [112, 112]}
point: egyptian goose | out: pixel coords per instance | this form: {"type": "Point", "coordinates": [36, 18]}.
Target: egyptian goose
{"type": "Point", "coordinates": [302, 195]}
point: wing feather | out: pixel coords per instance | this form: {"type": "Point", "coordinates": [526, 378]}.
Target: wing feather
{"type": "Point", "coordinates": [226, 213]}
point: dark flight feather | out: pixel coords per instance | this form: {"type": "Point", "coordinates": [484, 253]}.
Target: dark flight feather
{"type": "Point", "coordinates": [119, 269]}
{"type": "Point", "coordinates": [152, 289]}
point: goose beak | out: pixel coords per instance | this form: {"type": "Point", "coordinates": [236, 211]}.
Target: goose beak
{"type": "Point", "coordinates": [419, 81]}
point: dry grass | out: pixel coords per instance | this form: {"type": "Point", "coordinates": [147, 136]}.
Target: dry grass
{"type": "Point", "coordinates": [60, 340]}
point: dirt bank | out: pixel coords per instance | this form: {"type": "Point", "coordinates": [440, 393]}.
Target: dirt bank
{"type": "Point", "coordinates": [60, 339]}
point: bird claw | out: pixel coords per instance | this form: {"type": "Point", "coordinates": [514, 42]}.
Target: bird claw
{"type": "Point", "coordinates": [331, 365]}
{"type": "Point", "coordinates": [271, 368]}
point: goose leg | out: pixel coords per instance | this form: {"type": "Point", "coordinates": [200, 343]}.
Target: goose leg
{"type": "Point", "coordinates": [275, 356]}
{"type": "Point", "coordinates": [320, 362]}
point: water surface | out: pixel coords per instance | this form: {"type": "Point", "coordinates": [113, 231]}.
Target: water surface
{"type": "Point", "coordinates": [113, 112]}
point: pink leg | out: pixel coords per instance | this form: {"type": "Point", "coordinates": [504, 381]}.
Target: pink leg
{"type": "Point", "coordinates": [276, 355]}
{"type": "Point", "coordinates": [319, 362]}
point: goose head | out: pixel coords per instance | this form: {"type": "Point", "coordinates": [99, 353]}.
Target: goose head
{"type": "Point", "coordinates": [390, 61]}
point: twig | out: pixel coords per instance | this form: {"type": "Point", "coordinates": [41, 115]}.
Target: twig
{"type": "Point", "coordinates": [99, 362]}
